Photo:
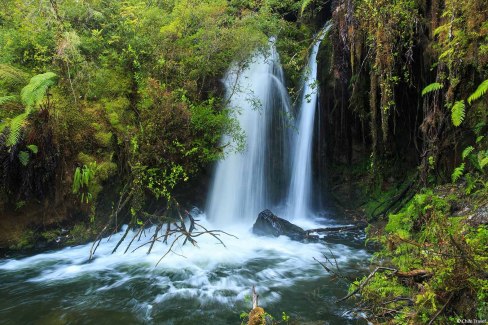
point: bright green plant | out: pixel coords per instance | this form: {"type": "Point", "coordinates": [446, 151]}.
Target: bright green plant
{"type": "Point", "coordinates": [83, 179]}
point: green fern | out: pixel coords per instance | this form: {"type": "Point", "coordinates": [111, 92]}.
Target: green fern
{"type": "Point", "coordinates": [458, 113]}
{"type": "Point", "coordinates": [480, 91]}
{"type": "Point", "coordinates": [8, 99]}
{"type": "Point", "coordinates": [33, 148]}
{"type": "Point", "coordinates": [432, 87]}
{"type": "Point", "coordinates": [483, 162]}
{"type": "Point", "coordinates": [467, 151]}
{"type": "Point", "coordinates": [16, 126]}
{"type": "Point", "coordinates": [24, 157]}
{"type": "Point", "coordinates": [12, 77]}
{"type": "Point", "coordinates": [305, 4]}
{"type": "Point", "coordinates": [34, 92]}
{"type": "Point", "coordinates": [457, 173]}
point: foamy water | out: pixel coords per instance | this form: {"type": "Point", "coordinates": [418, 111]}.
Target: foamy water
{"type": "Point", "coordinates": [214, 279]}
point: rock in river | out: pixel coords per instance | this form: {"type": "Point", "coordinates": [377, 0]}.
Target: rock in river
{"type": "Point", "coordinates": [268, 224]}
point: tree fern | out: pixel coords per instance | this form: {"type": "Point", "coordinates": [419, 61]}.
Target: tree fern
{"type": "Point", "coordinates": [457, 173]}
{"type": "Point", "coordinates": [480, 91]}
{"type": "Point", "coordinates": [16, 126]}
{"type": "Point", "coordinates": [458, 113]}
{"type": "Point", "coordinates": [34, 92]}
{"type": "Point", "coordinates": [432, 87]}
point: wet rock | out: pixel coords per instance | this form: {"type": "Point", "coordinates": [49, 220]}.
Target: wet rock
{"type": "Point", "coordinates": [268, 224]}
{"type": "Point", "coordinates": [479, 217]}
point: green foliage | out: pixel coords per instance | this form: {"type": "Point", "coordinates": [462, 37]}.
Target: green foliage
{"type": "Point", "coordinates": [467, 151]}
{"type": "Point", "coordinates": [33, 94]}
{"type": "Point", "coordinates": [15, 129]}
{"type": "Point", "coordinates": [479, 92]}
{"type": "Point", "coordinates": [11, 77]}
{"type": "Point", "coordinates": [83, 180]}
{"type": "Point", "coordinates": [7, 99]}
{"type": "Point", "coordinates": [24, 157]}
{"type": "Point", "coordinates": [33, 148]}
{"type": "Point", "coordinates": [457, 113]}
{"type": "Point", "coordinates": [425, 236]}
{"type": "Point", "coordinates": [457, 173]}
{"type": "Point", "coordinates": [432, 87]}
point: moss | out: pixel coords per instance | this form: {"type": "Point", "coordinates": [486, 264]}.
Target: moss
{"type": "Point", "coordinates": [105, 170]}
{"type": "Point", "coordinates": [80, 233]}
{"type": "Point", "coordinates": [104, 139]}
{"type": "Point", "coordinates": [26, 240]}
{"type": "Point", "coordinates": [86, 159]}
{"type": "Point", "coordinates": [425, 235]}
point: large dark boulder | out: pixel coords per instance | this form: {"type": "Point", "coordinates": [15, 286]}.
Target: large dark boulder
{"type": "Point", "coordinates": [267, 224]}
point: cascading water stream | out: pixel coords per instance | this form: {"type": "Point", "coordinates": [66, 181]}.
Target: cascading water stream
{"type": "Point", "coordinates": [241, 187]}
{"type": "Point", "coordinates": [299, 195]}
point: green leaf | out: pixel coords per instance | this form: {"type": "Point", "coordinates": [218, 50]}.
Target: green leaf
{"type": "Point", "coordinates": [457, 173]}
{"type": "Point", "coordinates": [23, 157]}
{"type": "Point", "coordinates": [480, 91]}
{"type": "Point", "coordinates": [12, 77]}
{"type": "Point", "coordinates": [8, 99]}
{"type": "Point", "coordinates": [483, 162]}
{"type": "Point", "coordinates": [34, 92]}
{"type": "Point", "coordinates": [16, 126]}
{"type": "Point", "coordinates": [467, 151]}
{"type": "Point", "coordinates": [305, 4]}
{"type": "Point", "coordinates": [33, 148]}
{"type": "Point", "coordinates": [458, 113]}
{"type": "Point", "coordinates": [432, 87]}
{"type": "Point", "coordinates": [77, 180]}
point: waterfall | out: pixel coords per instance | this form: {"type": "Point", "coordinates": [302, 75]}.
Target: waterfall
{"type": "Point", "coordinates": [299, 195]}
{"type": "Point", "coordinates": [246, 182]}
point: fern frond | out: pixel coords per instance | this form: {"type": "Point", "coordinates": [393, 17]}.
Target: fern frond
{"type": "Point", "coordinates": [458, 113]}
{"type": "Point", "coordinates": [480, 91]}
{"type": "Point", "coordinates": [12, 77]}
{"type": "Point", "coordinates": [34, 92]}
{"type": "Point", "coordinates": [23, 157]}
{"type": "Point", "coordinates": [33, 148]}
{"type": "Point", "coordinates": [432, 87]}
{"type": "Point", "coordinates": [305, 4]}
{"type": "Point", "coordinates": [16, 126]}
{"type": "Point", "coordinates": [484, 162]}
{"type": "Point", "coordinates": [467, 151]}
{"type": "Point", "coordinates": [8, 99]}
{"type": "Point", "coordinates": [457, 173]}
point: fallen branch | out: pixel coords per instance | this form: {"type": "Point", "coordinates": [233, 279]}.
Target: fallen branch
{"type": "Point", "coordinates": [365, 282]}
{"type": "Point", "coordinates": [337, 228]}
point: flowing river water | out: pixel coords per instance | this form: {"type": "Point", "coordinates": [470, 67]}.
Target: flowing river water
{"type": "Point", "coordinates": [205, 285]}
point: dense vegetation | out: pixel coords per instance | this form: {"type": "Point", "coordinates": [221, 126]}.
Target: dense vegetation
{"type": "Point", "coordinates": [123, 97]}
{"type": "Point", "coordinates": [406, 125]}
{"type": "Point", "coordinates": [111, 108]}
